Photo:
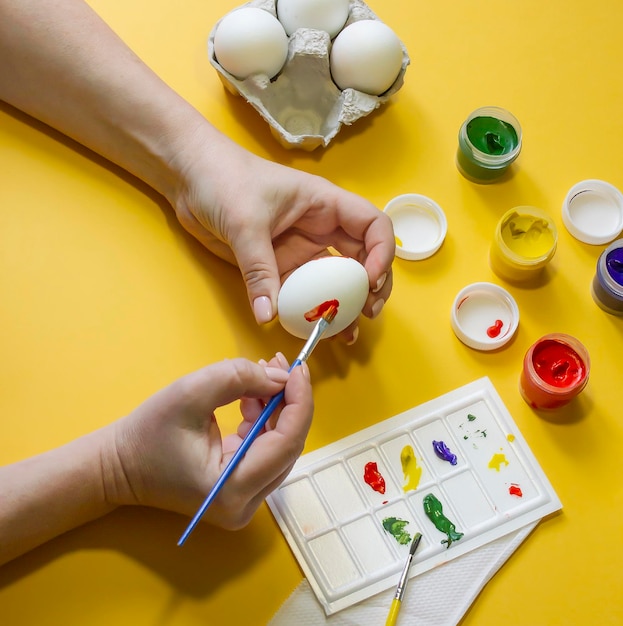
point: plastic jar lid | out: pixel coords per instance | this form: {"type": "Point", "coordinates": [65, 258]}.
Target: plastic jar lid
{"type": "Point", "coordinates": [593, 212]}
{"type": "Point", "coordinates": [484, 316]}
{"type": "Point", "coordinates": [420, 226]}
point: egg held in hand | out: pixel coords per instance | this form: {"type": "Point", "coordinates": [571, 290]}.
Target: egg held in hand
{"type": "Point", "coordinates": [367, 56]}
{"type": "Point", "coordinates": [311, 288]}
{"type": "Point", "coordinates": [250, 41]}
{"type": "Point", "coordinates": [327, 15]}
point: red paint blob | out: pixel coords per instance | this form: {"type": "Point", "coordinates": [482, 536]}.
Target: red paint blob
{"type": "Point", "coordinates": [317, 312]}
{"type": "Point", "coordinates": [495, 329]}
{"type": "Point", "coordinates": [558, 364]}
{"type": "Point", "coordinates": [373, 477]}
{"type": "Point", "coordinates": [515, 490]}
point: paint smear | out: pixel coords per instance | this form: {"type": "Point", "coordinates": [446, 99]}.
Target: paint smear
{"type": "Point", "coordinates": [434, 511]}
{"type": "Point", "coordinates": [373, 477]}
{"type": "Point", "coordinates": [317, 312]}
{"type": "Point", "coordinates": [444, 453]}
{"type": "Point", "coordinates": [515, 490]}
{"type": "Point", "coordinates": [497, 460]}
{"type": "Point", "coordinates": [495, 329]}
{"type": "Point", "coordinates": [412, 472]}
{"type": "Point", "coordinates": [396, 528]}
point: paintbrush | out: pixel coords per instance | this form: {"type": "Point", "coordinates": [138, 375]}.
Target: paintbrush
{"type": "Point", "coordinates": [402, 583]}
{"type": "Point", "coordinates": [323, 323]}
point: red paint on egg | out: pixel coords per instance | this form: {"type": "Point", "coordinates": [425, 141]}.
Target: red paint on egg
{"type": "Point", "coordinates": [317, 312]}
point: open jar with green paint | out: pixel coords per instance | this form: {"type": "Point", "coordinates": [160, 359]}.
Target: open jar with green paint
{"type": "Point", "coordinates": [489, 141]}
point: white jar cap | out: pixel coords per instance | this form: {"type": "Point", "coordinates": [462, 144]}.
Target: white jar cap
{"type": "Point", "coordinates": [593, 212]}
{"type": "Point", "coordinates": [420, 226]}
{"type": "Point", "coordinates": [484, 316]}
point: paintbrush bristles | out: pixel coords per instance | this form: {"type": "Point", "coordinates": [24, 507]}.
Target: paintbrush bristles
{"type": "Point", "coordinates": [330, 313]}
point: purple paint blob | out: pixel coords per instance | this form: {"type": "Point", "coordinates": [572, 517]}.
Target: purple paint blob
{"type": "Point", "coordinates": [444, 453]}
{"type": "Point", "coordinates": [614, 264]}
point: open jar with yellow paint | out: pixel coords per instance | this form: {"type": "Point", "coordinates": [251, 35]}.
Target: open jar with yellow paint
{"type": "Point", "coordinates": [524, 243]}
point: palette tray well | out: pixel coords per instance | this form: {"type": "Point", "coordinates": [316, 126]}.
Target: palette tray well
{"type": "Point", "coordinates": [333, 518]}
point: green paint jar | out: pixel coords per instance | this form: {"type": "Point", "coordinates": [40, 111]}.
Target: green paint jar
{"type": "Point", "coordinates": [489, 141]}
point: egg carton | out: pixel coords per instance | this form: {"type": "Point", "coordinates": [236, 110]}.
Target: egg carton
{"type": "Point", "coordinates": [303, 106]}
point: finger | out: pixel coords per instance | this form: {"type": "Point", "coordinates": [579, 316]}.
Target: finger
{"type": "Point", "coordinates": [258, 265]}
{"type": "Point", "coordinates": [276, 450]}
{"type": "Point", "coordinates": [224, 382]}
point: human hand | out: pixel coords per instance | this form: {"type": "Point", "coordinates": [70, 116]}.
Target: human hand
{"type": "Point", "coordinates": [270, 219]}
{"type": "Point", "coordinates": [168, 453]}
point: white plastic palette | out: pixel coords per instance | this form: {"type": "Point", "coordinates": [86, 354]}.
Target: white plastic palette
{"type": "Point", "coordinates": [332, 519]}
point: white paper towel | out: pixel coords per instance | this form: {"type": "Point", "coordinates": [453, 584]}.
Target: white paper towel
{"type": "Point", "coordinates": [439, 597]}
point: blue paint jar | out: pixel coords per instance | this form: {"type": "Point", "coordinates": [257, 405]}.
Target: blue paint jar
{"type": "Point", "coordinates": [607, 286]}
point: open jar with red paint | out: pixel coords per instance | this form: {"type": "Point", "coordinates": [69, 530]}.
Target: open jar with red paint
{"type": "Point", "coordinates": [555, 370]}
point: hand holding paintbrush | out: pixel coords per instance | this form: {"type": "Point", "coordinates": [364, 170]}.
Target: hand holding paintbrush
{"type": "Point", "coordinates": [323, 323]}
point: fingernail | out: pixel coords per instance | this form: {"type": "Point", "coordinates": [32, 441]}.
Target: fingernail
{"type": "Point", "coordinates": [380, 283]}
{"type": "Point", "coordinates": [305, 370]}
{"type": "Point", "coordinates": [262, 362]}
{"type": "Point", "coordinates": [276, 374]}
{"type": "Point", "coordinates": [281, 359]}
{"type": "Point", "coordinates": [262, 309]}
{"type": "Point", "coordinates": [353, 339]}
{"type": "Point", "coordinates": [376, 307]}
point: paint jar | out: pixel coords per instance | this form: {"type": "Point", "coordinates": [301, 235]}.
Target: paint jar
{"type": "Point", "coordinates": [607, 285]}
{"type": "Point", "coordinates": [489, 141]}
{"type": "Point", "coordinates": [420, 225]}
{"type": "Point", "coordinates": [555, 370]}
{"type": "Point", "coordinates": [484, 316]}
{"type": "Point", "coordinates": [524, 243]}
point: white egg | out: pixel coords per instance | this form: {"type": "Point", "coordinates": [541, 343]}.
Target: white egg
{"type": "Point", "coordinates": [327, 15]}
{"type": "Point", "coordinates": [366, 56]}
{"type": "Point", "coordinates": [306, 292]}
{"type": "Point", "coordinates": [250, 41]}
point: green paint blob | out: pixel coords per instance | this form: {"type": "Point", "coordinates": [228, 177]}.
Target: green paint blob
{"type": "Point", "coordinates": [396, 528]}
{"type": "Point", "coordinates": [434, 511]}
{"type": "Point", "coordinates": [491, 135]}
{"type": "Point", "coordinates": [470, 417]}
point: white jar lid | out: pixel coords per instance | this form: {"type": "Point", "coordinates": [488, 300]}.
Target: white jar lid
{"type": "Point", "coordinates": [484, 316]}
{"type": "Point", "coordinates": [420, 226]}
{"type": "Point", "coordinates": [593, 212]}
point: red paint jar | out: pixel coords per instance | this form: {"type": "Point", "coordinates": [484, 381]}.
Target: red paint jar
{"type": "Point", "coordinates": [555, 370]}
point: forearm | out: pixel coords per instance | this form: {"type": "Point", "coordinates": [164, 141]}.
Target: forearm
{"type": "Point", "coordinates": [60, 63]}
{"type": "Point", "coordinates": [47, 495]}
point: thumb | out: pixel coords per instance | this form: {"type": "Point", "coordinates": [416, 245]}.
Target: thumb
{"type": "Point", "coordinates": [256, 258]}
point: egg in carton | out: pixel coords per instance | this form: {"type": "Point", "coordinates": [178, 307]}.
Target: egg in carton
{"type": "Point", "coordinates": [302, 104]}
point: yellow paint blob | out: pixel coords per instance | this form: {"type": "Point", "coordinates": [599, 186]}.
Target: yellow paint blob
{"type": "Point", "coordinates": [398, 241]}
{"type": "Point", "coordinates": [497, 460]}
{"type": "Point", "coordinates": [410, 469]}
{"type": "Point", "coordinates": [527, 235]}
{"type": "Point", "coordinates": [510, 437]}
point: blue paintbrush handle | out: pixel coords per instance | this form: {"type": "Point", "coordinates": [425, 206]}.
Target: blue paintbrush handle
{"type": "Point", "coordinates": [250, 437]}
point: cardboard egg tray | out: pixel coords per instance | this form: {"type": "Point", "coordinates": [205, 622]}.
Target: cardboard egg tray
{"type": "Point", "coordinates": [332, 519]}
{"type": "Point", "coordinates": [303, 106]}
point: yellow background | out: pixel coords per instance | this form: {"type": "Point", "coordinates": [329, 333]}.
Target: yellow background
{"type": "Point", "coordinates": [105, 299]}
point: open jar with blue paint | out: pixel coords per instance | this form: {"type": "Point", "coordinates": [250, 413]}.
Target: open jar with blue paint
{"type": "Point", "coordinates": [607, 286]}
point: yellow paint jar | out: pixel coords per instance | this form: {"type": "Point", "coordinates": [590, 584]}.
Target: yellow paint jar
{"type": "Point", "coordinates": [524, 243]}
